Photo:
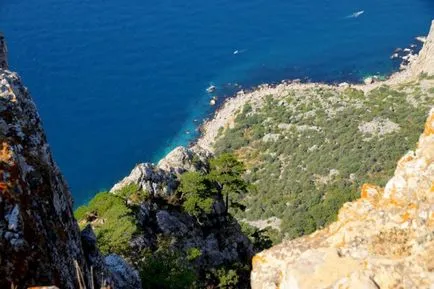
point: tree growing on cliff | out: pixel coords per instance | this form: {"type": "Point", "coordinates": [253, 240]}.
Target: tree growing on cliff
{"type": "Point", "coordinates": [196, 193]}
{"type": "Point", "coordinates": [226, 172]}
{"type": "Point", "coordinates": [224, 181]}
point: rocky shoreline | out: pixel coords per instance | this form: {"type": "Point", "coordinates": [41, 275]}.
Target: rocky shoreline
{"type": "Point", "coordinates": [225, 115]}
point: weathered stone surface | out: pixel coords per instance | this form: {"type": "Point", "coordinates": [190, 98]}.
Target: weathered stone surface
{"type": "Point", "coordinates": [424, 63]}
{"type": "Point", "coordinates": [124, 276]}
{"type": "Point", "coordinates": [383, 240]}
{"type": "Point", "coordinates": [182, 159]}
{"type": "Point", "coordinates": [40, 242]}
{"type": "Point", "coordinates": [95, 261]}
{"type": "Point", "coordinates": [39, 238]}
{"type": "Point", "coordinates": [161, 179]}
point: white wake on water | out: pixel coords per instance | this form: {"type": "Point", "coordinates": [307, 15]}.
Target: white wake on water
{"type": "Point", "coordinates": [356, 14]}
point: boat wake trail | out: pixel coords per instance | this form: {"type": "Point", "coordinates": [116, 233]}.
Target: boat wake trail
{"type": "Point", "coordinates": [356, 14]}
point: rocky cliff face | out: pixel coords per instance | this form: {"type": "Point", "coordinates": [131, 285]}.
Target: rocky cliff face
{"type": "Point", "coordinates": [383, 240]}
{"type": "Point", "coordinates": [424, 63]}
{"type": "Point", "coordinates": [39, 238]}
{"type": "Point", "coordinates": [40, 242]}
{"type": "Point", "coordinates": [219, 237]}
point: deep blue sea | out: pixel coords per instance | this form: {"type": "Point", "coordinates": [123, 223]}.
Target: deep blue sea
{"type": "Point", "coordinates": [122, 82]}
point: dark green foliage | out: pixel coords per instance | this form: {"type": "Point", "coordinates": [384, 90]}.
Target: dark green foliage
{"type": "Point", "coordinates": [226, 172]}
{"type": "Point", "coordinates": [228, 278]}
{"type": "Point", "coordinates": [113, 222]}
{"type": "Point", "coordinates": [133, 194]}
{"type": "Point", "coordinates": [198, 191]}
{"type": "Point", "coordinates": [261, 239]}
{"type": "Point", "coordinates": [166, 268]}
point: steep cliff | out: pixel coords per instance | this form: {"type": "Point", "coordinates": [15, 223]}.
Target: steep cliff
{"type": "Point", "coordinates": [383, 240]}
{"type": "Point", "coordinates": [40, 242]}
{"type": "Point", "coordinates": [424, 63]}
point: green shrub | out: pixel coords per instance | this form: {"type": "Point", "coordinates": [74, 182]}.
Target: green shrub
{"type": "Point", "coordinates": [193, 254]}
{"type": "Point", "coordinates": [228, 278]}
{"type": "Point", "coordinates": [112, 220]}
{"type": "Point", "coordinates": [133, 194]}
{"type": "Point", "coordinates": [166, 269]}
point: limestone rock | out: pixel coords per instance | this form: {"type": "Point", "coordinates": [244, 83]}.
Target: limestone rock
{"type": "Point", "coordinates": [161, 179]}
{"type": "Point", "coordinates": [219, 238]}
{"type": "Point", "coordinates": [383, 240]}
{"type": "Point", "coordinates": [182, 159]}
{"type": "Point", "coordinates": [424, 63]}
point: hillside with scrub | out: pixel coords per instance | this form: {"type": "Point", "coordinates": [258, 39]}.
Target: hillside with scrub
{"type": "Point", "coordinates": [308, 151]}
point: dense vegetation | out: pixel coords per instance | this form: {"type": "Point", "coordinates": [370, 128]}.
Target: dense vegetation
{"type": "Point", "coordinates": [309, 152]}
{"type": "Point", "coordinates": [113, 220]}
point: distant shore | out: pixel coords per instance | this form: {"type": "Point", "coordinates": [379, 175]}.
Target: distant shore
{"type": "Point", "coordinates": [225, 115]}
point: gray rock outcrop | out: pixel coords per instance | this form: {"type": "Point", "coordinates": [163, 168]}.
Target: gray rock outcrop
{"type": "Point", "coordinates": [161, 179]}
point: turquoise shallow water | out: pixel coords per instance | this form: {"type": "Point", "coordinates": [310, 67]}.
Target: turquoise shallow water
{"type": "Point", "coordinates": [120, 82]}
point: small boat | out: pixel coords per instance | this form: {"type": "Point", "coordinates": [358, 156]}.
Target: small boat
{"type": "Point", "coordinates": [211, 89]}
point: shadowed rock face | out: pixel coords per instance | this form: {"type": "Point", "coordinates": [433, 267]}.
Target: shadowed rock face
{"type": "Point", "coordinates": [383, 240]}
{"type": "Point", "coordinates": [39, 238]}
{"type": "Point", "coordinates": [40, 242]}
{"type": "Point", "coordinates": [3, 53]}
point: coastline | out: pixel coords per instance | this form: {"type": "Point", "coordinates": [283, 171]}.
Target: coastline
{"type": "Point", "coordinates": [225, 115]}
